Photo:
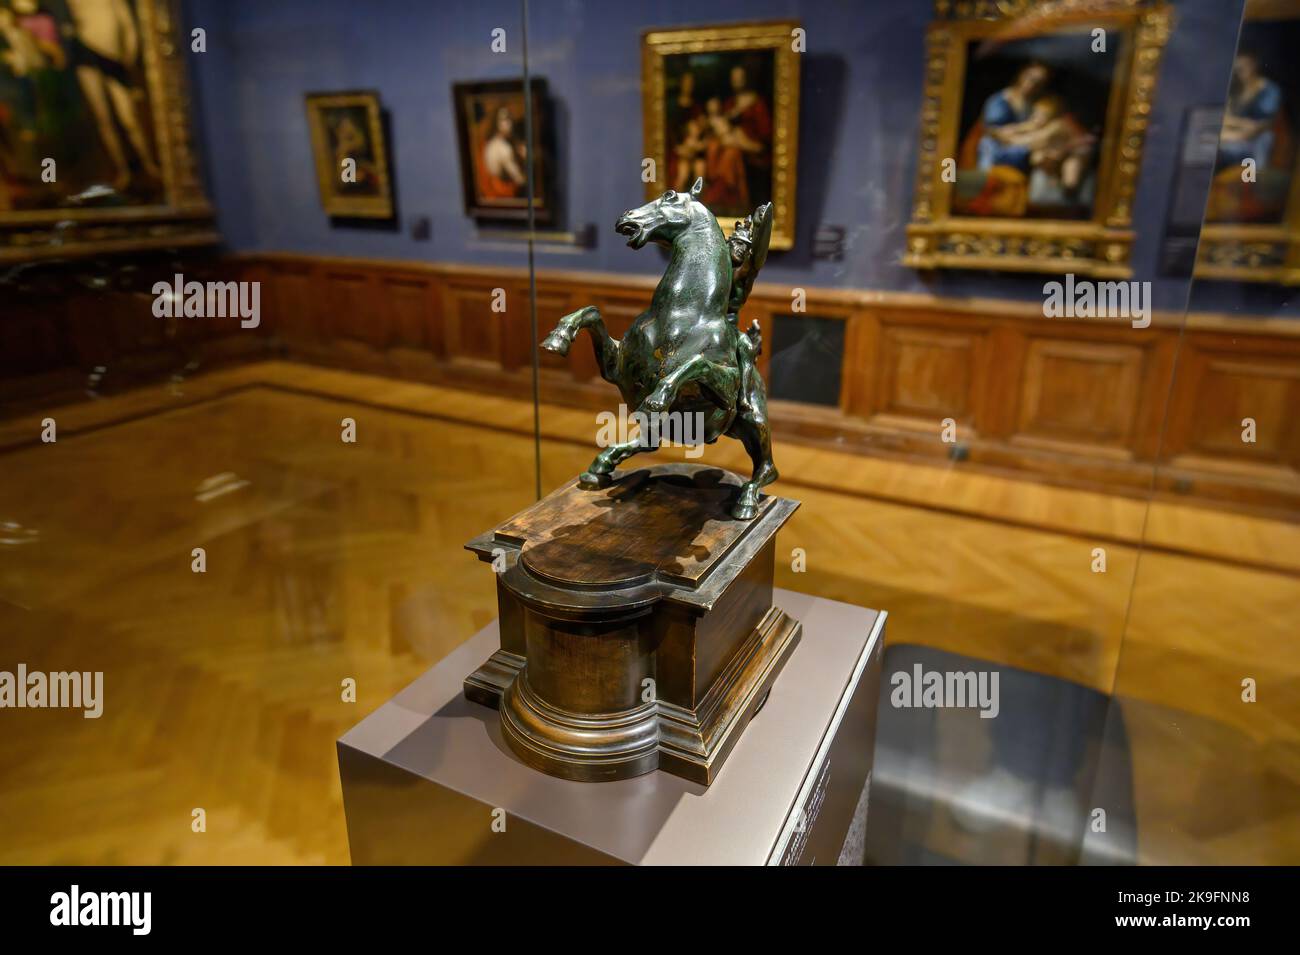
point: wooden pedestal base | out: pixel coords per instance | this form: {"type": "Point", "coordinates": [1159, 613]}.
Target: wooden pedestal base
{"type": "Point", "coordinates": [637, 626]}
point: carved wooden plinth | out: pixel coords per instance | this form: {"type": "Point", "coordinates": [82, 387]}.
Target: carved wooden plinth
{"type": "Point", "coordinates": [637, 626]}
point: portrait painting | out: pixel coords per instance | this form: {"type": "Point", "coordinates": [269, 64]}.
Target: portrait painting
{"type": "Point", "coordinates": [1252, 214]}
{"type": "Point", "coordinates": [492, 130]}
{"type": "Point", "coordinates": [94, 129]}
{"type": "Point", "coordinates": [1025, 108]}
{"type": "Point", "coordinates": [351, 154]}
{"type": "Point", "coordinates": [721, 105]}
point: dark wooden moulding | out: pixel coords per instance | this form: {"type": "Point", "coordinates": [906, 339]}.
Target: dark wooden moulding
{"type": "Point", "coordinates": [637, 626]}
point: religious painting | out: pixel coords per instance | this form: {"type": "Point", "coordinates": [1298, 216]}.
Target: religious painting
{"type": "Point", "coordinates": [1026, 106]}
{"type": "Point", "coordinates": [722, 104]}
{"type": "Point", "coordinates": [1252, 214]}
{"type": "Point", "coordinates": [492, 127]}
{"type": "Point", "coordinates": [95, 151]}
{"type": "Point", "coordinates": [347, 139]}
{"type": "Point", "coordinates": [1033, 116]}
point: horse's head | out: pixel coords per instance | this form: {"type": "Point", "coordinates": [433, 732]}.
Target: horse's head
{"type": "Point", "coordinates": [662, 220]}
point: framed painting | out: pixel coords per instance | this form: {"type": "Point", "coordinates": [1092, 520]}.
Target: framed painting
{"type": "Point", "coordinates": [491, 126]}
{"type": "Point", "coordinates": [347, 141]}
{"type": "Point", "coordinates": [1032, 130]}
{"type": "Point", "coordinates": [95, 148]}
{"type": "Point", "coordinates": [722, 103]}
{"type": "Point", "coordinates": [1251, 230]}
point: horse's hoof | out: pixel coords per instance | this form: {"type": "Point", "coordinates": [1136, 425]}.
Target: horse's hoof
{"type": "Point", "coordinates": [653, 405]}
{"type": "Point", "coordinates": [744, 512]}
{"type": "Point", "coordinates": [590, 481]}
{"type": "Point", "coordinates": [557, 343]}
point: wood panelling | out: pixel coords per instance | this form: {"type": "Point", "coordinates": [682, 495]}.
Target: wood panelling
{"type": "Point", "coordinates": [1074, 402]}
{"type": "Point", "coordinates": [1079, 394]}
{"type": "Point", "coordinates": [1233, 391]}
{"type": "Point", "coordinates": [350, 301]}
{"type": "Point", "coordinates": [1224, 380]}
{"type": "Point", "coordinates": [290, 297]}
{"type": "Point", "coordinates": [926, 374]}
{"type": "Point", "coordinates": [473, 329]}
{"type": "Point", "coordinates": [411, 312]}
{"type": "Point", "coordinates": [76, 331]}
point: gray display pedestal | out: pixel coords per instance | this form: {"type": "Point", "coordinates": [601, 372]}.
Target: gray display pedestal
{"type": "Point", "coordinates": [427, 779]}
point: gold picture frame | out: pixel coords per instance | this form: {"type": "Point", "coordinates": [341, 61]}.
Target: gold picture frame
{"type": "Point", "coordinates": [1097, 245]}
{"type": "Point", "coordinates": [766, 50]}
{"type": "Point", "coordinates": [1256, 251]}
{"type": "Point", "coordinates": [370, 195]}
{"type": "Point", "coordinates": [98, 219]}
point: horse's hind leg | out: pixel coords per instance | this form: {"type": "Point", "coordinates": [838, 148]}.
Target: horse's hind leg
{"type": "Point", "coordinates": [752, 429]}
{"type": "Point", "coordinates": [566, 330]}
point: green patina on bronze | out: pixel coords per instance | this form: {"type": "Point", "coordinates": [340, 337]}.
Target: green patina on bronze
{"type": "Point", "coordinates": [686, 353]}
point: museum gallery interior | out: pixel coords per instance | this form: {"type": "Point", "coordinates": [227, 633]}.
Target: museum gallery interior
{"type": "Point", "coordinates": [771, 432]}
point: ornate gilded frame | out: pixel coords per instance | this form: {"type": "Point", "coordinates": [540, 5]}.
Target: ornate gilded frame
{"type": "Point", "coordinates": [184, 218]}
{"type": "Point", "coordinates": [774, 35]}
{"type": "Point", "coordinates": [1100, 246]}
{"type": "Point", "coordinates": [358, 207]}
{"type": "Point", "coordinates": [1257, 253]}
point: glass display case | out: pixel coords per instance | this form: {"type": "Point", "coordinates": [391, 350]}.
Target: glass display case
{"type": "Point", "coordinates": [1015, 281]}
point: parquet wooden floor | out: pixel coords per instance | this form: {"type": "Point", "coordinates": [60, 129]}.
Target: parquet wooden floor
{"type": "Point", "coordinates": [329, 561]}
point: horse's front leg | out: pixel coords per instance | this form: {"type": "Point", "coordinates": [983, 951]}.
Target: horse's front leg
{"type": "Point", "coordinates": [719, 381]}
{"type": "Point", "coordinates": [566, 330]}
{"type": "Point", "coordinates": [601, 471]}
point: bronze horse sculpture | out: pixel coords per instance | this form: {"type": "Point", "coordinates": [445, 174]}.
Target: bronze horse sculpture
{"type": "Point", "coordinates": [686, 352]}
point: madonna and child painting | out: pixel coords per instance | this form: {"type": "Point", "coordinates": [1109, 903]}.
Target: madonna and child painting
{"type": "Point", "coordinates": [1033, 118]}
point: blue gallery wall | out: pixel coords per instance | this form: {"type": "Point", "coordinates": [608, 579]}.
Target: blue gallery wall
{"type": "Point", "coordinates": [861, 93]}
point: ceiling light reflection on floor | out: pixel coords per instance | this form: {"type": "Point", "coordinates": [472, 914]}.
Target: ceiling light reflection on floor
{"type": "Point", "coordinates": [12, 534]}
{"type": "Point", "coordinates": [227, 482]}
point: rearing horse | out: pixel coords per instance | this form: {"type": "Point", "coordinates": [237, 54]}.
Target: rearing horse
{"type": "Point", "coordinates": [681, 354]}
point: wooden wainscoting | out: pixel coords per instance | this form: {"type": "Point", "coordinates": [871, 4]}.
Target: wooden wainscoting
{"type": "Point", "coordinates": [81, 329]}
{"type": "Point", "coordinates": [1075, 402]}
{"type": "Point", "coordinates": [1085, 403]}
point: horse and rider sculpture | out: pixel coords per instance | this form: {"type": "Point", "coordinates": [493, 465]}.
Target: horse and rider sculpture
{"type": "Point", "coordinates": [686, 352]}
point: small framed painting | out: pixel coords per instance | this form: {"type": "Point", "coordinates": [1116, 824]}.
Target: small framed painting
{"type": "Point", "coordinates": [492, 130]}
{"type": "Point", "coordinates": [348, 143]}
